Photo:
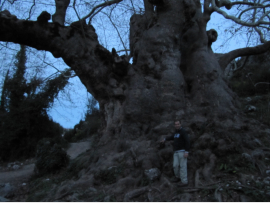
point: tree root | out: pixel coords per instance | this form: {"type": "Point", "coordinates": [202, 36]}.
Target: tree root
{"type": "Point", "coordinates": [218, 195]}
{"type": "Point", "coordinates": [135, 193]}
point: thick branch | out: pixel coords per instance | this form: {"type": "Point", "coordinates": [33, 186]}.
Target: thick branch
{"type": "Point", "coordinates": [227, 58]}
{"type": "Point", "coordinates": [226, 3]}
{"type": "Point", "coordinates": [60, 13]}
{"type": "Point", "coordinates": [149, 9]}
{"type": "Point", "coordinates": [207, 10]}
{"type": "Point", "coordinates": [76, 44]}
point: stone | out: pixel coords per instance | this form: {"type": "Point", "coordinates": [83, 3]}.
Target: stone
{"type": "Point", "coordinates": [7, 191]}
{"type": "Point", "coordinates": [266, 181]}
{"type": "Point", "coordinates": [258, 154]}
{"type": "Point", "coordinates": [91, 189]}
{"type": "Point", "coordinates": [250, 108]}
{"type": "Point", "coordinates": [244, 198]}
{"type": "Point", "coordinates": [15, 167]}
{"type": "Point", "coordinates": [152, 174]}
{"type": "Point", "coordinates": [185, 197]}
{"type": "Point", "coordinates": [163, 128]}
{"type": "Point", "coordinates": [118, 92]}
{"type": "Point", "coordinates": [2, 199]}
{"type": "Point", "coordinates": [258, 142]}
{"type": "Point", "coordinates": [248, 99]}
{"type": "Point", "coordinates": [267, 172]}
{"type": "Point", "coordinates": [107, 198]}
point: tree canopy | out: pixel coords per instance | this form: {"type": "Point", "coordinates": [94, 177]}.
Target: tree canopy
{"type": "Point", "coordinates": [24, 105]}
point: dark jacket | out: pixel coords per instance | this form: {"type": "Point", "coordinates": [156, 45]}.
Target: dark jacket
{"type": "Point", "coordinates": [180, 140]}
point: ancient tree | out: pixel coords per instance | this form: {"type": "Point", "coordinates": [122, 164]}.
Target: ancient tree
{"type": "Point", "coordinates": [174, 74]}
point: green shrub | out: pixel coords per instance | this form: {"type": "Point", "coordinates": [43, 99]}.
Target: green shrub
{"type": "Point", "coordinates": [50, 157]}
{"type": "Point", "coordinates": [243, 82]}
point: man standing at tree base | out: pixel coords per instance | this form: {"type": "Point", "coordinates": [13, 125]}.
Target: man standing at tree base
{"type": "Point", "coordinates": [180, 148]}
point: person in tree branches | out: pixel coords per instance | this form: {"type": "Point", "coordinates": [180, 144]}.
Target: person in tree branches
{"type": "Point", "coordinates": [180, 147]}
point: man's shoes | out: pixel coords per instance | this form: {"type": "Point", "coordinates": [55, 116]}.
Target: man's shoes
{"type": "Point", "coordinates": [182, 184]}
{"type": "Point", "coordinates": [175, 179]}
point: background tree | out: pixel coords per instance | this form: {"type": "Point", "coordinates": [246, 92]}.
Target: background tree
{"type": "Point", "coordinates": [174, 74]}
{"type": "Point", "coordinates": [87, 127]}
{"type": "Point", "coordinates": [4, 94]}
{"type": "Point", "coordinates": [25, 120]}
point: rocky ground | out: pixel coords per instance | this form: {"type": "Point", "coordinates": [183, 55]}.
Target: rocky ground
{"type": "Point", "coordinates": [121, 183]}
{"type": "Point", "coordinates": [14, 177]}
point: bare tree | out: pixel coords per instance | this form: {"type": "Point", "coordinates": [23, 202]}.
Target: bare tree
{"type": "Point", "coordinates": [174, 74]}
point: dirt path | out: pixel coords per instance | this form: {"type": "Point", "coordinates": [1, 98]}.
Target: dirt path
{"type": "Point", "coordinates": [23, 174]}
{"type": "Point", "coordinates": [77, 148]}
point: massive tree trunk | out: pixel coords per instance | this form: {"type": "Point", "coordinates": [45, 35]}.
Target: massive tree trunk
{"type": "Point", "coordinates": [174, 75]}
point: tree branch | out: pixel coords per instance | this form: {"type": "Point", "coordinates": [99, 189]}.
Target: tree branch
{"type": "Point", "coordinates": [226, 3]}
{"type": "Point", "coordinates": [245, 3]}
{"type": "Point", "coordinates": [34, 3]}
{"type": "Point", "coordinates": [207, 10]}
{"type": "Point", "coordinates": [149, 9]}
{"type": "Point", "coordinates": [237, 20]}
{"type": "Point", "coordinates": [108, 3]}
{"type": "Point", "coordinates": [227, 58]}
{"type": "Point", "coordinates": [119, 35]}
{"type": "Point", "coordinates": [60, 13]}
{"type": "Point", "coordinates": [74, 7]}
{"type": "Point", "coordinates": [79, 48]}
{"type": "Point", "coordinates": [254, 7]}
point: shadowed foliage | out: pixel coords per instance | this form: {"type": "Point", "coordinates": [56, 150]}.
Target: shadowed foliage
{"type": "Point", "coordinates": [24, 119]}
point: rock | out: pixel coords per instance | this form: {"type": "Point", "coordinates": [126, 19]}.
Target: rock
{"type": "Point", "coordinates": [258, 142]}
{"type": "Point", "coordinates": [237, 182]}
{"type": "Point", "coordinates": [185, 197]}
{"type": "Point", "coordinates": [23, 184]}
{"type": "Point", "coordinates": [267, 193]}
{"type": "Point", "coordinates": [2, 199]}
{"type": "Point", "coordinates": [244, 198]}
{"type": "Point", "coordinates": [267, 172]}
{"type": "Point", "coordinates": [107, 198]}
{"type": "Point", "coordinates": [266, 181]}
{"type": "Point", "coordinates": [250, 108]}
{"type": "Point", "coordinates": [248, 99]}
{"type": "Point", "coordinates": [152, 174]}
{"type": "Point", "coordinates": [15, 167]}
{"type": "Point", "coordinates": [163, 128]}
{"type": "Point", "coordinates": [258, 154]}
{"type": "Point", "coordinates": [91, 189]}
{"type": "Point", "coordinates": [7, 190]}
